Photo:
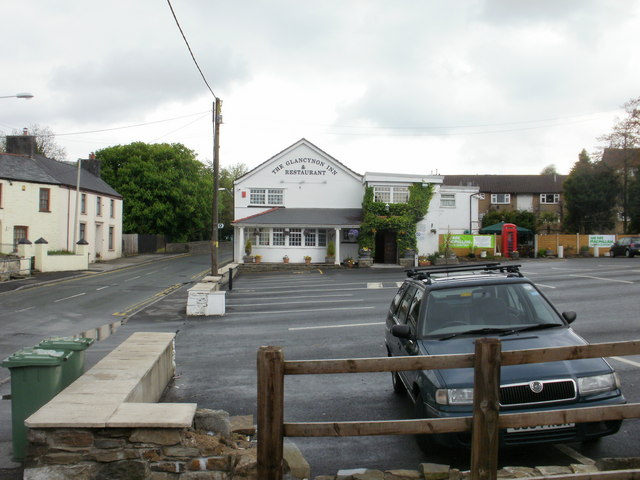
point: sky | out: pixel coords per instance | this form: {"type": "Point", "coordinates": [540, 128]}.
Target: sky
{"type": "Point", "coordinates": [411, 86]}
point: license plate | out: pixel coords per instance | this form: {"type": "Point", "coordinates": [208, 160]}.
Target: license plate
{"type": "Point", "coordinates": [540, 427]}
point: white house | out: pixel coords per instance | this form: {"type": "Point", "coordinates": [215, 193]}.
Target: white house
{"type": "Point", "coordinates": [38, 200]}
{"type": "Point", "coordinates": [301, 199]}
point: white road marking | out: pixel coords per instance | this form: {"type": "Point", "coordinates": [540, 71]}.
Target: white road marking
{"type": "Point", "coordinates": [132, 278]}
{"type": "Point", "coordinates": [626, 360]}
{"type": "Point", "coordinates": [102, 288]}
{"type": "Point", "coordinates": [544, 285]}
{"type": "Point", "coordinates": [570, 452]}
{"type": "Point", "coordinates": [399, 284]}
{"type": "Point", "coordinates": [338, 326]}
{"type": "Point", "coordinates": [374, 285]}
{"type": "Point", "coordinates": [600, 278]}
{"type": "Point", "coordinates": [289, 303]}
{"type": "Point", "coordinates": [68, 298]}
{"type": "Point", "coordinates": [301, 310]}
{"type": "Point", "coordinates": [16, 311]}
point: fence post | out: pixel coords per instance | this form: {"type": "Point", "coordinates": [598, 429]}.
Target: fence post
{"type": "Point", "coordinates": [270, 365]}
{"type": "Point", "coordinates": [486, 395]}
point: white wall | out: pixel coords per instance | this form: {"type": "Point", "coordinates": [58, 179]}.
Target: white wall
{"type": "Point", "coordinates": [20, 206]}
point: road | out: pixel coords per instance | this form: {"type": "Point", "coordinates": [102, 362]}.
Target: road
{"type": "Point", "coordinates": [339, 314]}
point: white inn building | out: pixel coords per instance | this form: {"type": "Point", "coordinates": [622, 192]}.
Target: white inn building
{"type": "Point", "coordinates": [301, 199]}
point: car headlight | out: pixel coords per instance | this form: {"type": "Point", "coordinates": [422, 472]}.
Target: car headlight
{"type": "Point", "coordinates": [597, 383]}
{"type": "Point", "coordinates": [455, 396]}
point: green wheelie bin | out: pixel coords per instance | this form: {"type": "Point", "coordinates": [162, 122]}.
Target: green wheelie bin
{"type": "Point", "coordinates": [74, 366]}
{"type": "Point", "coordinates": [36, 377]}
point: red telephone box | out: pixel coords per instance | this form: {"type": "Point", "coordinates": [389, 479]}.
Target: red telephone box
{"type": "Point", "coordinates": [509, 239]}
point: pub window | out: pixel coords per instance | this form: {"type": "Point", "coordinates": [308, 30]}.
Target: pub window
{"type": "Point", "coordinates": [257, 196]}
{"type": "Point", "coordinates": [260, 236]}
{"type": "Point", "coordinates": [447, 200]}
{"type": "Point", "coordinates": [266, 196]}
{"type": "Point", "coordinates": [278, 237]}
{"type": "Point", "coordinates": [310, 239]}
{"type": "Point", "coordinates": [500, 198]}
{"type": "Point", "coordinates": [400, 194]}
{"type": "Point", "coordinates": [386, 194]}
{"type": "Point", "coordinates": [295, 237]}
{"type": "Point", "coordinates": [44, 199]}
{"type": "Point", "coordinates": [382, 194]}
{"type": "Point", "coordinates": [275, 196]}
{"type": "Point", "coordinates": [322, 237]}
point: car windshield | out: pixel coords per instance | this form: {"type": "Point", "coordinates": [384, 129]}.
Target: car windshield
{"type": "Point", "coordinates": [500, 308]}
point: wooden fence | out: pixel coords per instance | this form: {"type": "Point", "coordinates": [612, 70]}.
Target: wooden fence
{"type": "Point", "coordinates": [484, 424]}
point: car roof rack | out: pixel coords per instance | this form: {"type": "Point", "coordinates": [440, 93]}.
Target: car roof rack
{"type": "Point", "coordinates": [425, 273]}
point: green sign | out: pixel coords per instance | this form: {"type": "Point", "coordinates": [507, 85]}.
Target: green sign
{"type": "Point", "coordinates": [471, 241]}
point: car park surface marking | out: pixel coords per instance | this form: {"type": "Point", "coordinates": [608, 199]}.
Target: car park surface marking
{"type": "Point", "coordinates": [544, 285]}
{"type": "Point", "coordinates": [337, 326]}
{"type": "Point", "coordinates": [289, 302]}
{"type": "Point", "coordinates": [374, 285]}
{"type": "Point", "coordinates": [298, 311]}
{"type": "Point", "coordinates": [626, 360]}
{"type": "Point", "coordinates": [600, 278]}
{"type": "Point", "coordinates": [16, 311]}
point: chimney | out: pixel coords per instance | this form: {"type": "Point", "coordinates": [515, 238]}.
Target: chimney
{"type": "Point", "coordinates": [24, 144]}
{"type": "Point", "coordinates": [91, 164]}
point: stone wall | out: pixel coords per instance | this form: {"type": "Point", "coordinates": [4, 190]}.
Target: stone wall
{"type": "Point", "coordinates": [215, 448]}
{"type": "Point", "coordinates": [9, 266]}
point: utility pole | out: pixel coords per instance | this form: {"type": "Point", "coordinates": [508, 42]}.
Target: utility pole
{"type": "Point", "coordinates": [217, 121]}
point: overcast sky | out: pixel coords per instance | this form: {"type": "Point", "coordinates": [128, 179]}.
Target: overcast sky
{"type": "Point", "coordinates": [411, 86]}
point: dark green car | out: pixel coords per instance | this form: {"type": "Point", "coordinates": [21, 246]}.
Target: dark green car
{"type": "Point", "coordinates": [439, 311]}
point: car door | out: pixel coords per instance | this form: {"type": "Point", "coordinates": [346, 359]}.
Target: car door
{"type": "Point", "coordinates": [397, 346]}
{"type": "Point", "coordinates": [411, 346]}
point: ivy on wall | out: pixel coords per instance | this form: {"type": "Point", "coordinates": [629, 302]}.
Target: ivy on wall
{"type": "Point", "coordinates": [400, 217]}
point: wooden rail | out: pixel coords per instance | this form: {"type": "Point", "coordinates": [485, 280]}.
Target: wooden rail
{"type": "Point", "coordinates": [484, 424]}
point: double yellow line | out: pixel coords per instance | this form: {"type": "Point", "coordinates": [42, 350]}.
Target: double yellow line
{"type": "Point", "coordinates": [138, 306]}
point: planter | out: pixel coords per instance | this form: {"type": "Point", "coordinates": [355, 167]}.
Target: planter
{"type": "Point", "coordinates": [258, 259]}
{"type": "Point", "coordinates": [247, 259]}
{"type": "Point", "coordinates": [285, 260]}
{"type": "Point", "coordinates": [424, 263]}
{"type": "Point", "coordinates": [329, 259]}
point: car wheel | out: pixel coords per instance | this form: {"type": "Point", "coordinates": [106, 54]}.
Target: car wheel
{"type": "Point", "coordinates": [426, 442]}
{"type": "Point", "coordinates": [398, 386]}
{"type": "Point", "coordinates": [612, 253]}
{"type": "Point", "coordinates": [627, 253]}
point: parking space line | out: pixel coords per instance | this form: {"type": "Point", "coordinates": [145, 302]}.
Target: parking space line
{"type": "Point", "coordinates": [374, 285]}
{"type": "Point", "coordinates": [299, 311]}
{"type": "Point", "coordinates": [600, 278]}
{"type": "Point", "coordinates": [544, 285]}
{"type": "Point", "coordinates": [626, 360]}
{"type": "Point", "coordinates": [337, 326]}
{"type": "Point", "coordinates": [68, 298]}
{"type": "Point", "coordinates": [289, 303]}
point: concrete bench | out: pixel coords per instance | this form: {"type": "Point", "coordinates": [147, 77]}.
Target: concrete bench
{"type": "Point", "coordinates": [121, 390]}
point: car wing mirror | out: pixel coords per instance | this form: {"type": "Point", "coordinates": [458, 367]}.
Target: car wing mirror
{"type": "Point", "coordinates": [402, 331]}
{"type": "Point", "coordinates": [569, 316]}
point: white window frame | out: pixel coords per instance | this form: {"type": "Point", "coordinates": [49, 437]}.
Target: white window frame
{"type": "Point", "coordinates": [266, 196]}
{"type": "Point", "coordinates": [448, 200]}
{"type": "Point", "coordinates": [555, 196]}
{"type": "Point", "coordinates": [391, 194]}
{"type": "Point", "coordinates": [506, 198]}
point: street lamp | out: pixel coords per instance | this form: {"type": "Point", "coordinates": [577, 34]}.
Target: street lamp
{"type": "Point", "coordinates": [19, 95]}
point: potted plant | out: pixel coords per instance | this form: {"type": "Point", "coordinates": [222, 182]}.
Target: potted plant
{"type": "Point", "coordinates": [349, 262]}
{"type": "Point", "coordinates": [584, 250]}
{"type": "Point", "coordinates": [307, 259]}
{"type": "Point", "coordinates": [285, 259]}
{"type": "Point", "coordinates": [365, 252]}
{"type": "Point", "coordinates": [423, 261]}
{"type": "Point", "coordinates": [247, 252]}
{"type": "Point", "coordinates": [331, 252]}
{"type": "Point", "coordinates": [258, 258]}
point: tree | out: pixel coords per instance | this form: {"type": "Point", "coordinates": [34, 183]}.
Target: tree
{"type": "Point", "coordinates": [45, 142]}
{"type": "Point", "coordinates": [549, 170]}
{"type": "Point", "coordinates": [634, 205]}
{"type": "Point", "coordinates": [624, 136]}
{"type": "Point", "coordinates": [521, 218]}
{"type": "Point", "coordinates": [228, 175]}
{"type": "Point", "coordinates": [165, 189]}
{"type": "Point", "coordinates": [590, 193]}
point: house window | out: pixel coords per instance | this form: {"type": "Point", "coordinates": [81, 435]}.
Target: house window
{"type": "Point", "coordinates": [19, 233]}
{"type": "Point", "coordinates": [259, 236]}
{"type": "Point", "coordinates": [447, 200]}
{"type": "Point", "coordinates": [322, 237]}
{"type": "Point", "coordinates": [278, 237]}
{"type": "Point", "coordinates": [500, 198]}
{"type": "Point", "coordinates": [310, 237]}
{"type": "Point", "coordinates": [110, 238]}
{"type": "Point", "coordinates": [549, 198]}
{"type": "Point", "coordinates": [266, 196]}
{"type": "Point", "coordinates": [112, 208]}
{"type": "Point", "coordinates": [83, 231]}
{"type": "Point", "coordinates": [295, 237]}
{"type": "Point", "coordinates": [390, 194]}
{"type": "Point", "coordinates": [98, 206]}
{"type": "Point", "coordinates": [44, 199]}
{"type": "Point", "coordinates": [83, 204]}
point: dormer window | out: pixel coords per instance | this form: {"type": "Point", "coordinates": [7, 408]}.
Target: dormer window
{"type": "Point", "coordinates": [388, 194]}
